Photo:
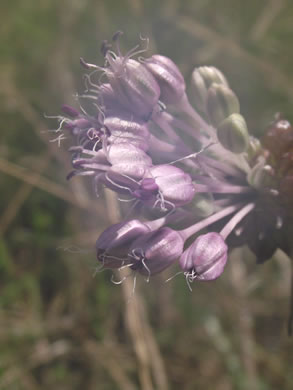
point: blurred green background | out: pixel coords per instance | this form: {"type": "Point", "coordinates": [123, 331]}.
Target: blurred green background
{"type": "Point", "coordinates": [62, 328]}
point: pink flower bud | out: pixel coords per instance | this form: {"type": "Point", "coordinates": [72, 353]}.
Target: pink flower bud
{"type": "Point", "coordinates": [113, 244]}
{"type": "Point", "coordinates": [155, 251]}
{"type": "Point", "coordinates": [168, 77]}
{"type": "Point", "coordinates": [206, 258]}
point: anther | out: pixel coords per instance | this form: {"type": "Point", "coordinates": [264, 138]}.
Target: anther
{"type": "Point", "coordinates": [117, 35]}
{"type": "Point", "coordinates": [105, 47]}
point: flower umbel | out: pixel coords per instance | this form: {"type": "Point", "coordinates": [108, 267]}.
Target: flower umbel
{"type": "Point", "coordinates": [165, 152]}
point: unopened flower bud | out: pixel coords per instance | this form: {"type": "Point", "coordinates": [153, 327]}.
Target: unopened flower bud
{"type": "Point", "coordinates": [155, 251]}
{"type": "Point", "coordinates": [233, 134]}
{"type": "Point", "coordinates": [221, 103]}
{"type": "Point", "coordinates": [135, 87]}
{"type": "Point", "coordinates": [175, 186]}
{"type": "Point", "coordinates": [206, 258]}
{"type": "Point", "coordinates": [201, 80]}
{"type": "Point", "coordinates": [125, 128]}
{"type": "Point", "coordinates": [261, 175]}
{"type": "Point", "coordinates": [168, 77]}
{"type": "Point", "coordinates": [113, 244]}
{"type": "Point", "coordinates": [254, 148]}
{"type": "Point", "coordinates": [129, 160]}
{"type": "Point", "coordinates": [107, 98]}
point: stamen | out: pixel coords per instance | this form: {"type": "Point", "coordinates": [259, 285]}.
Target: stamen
{"type": "Point", "coordinates": [80, 173]}
{"type": "Point", "coordinates": [60, 138]}
{"type": "Point", "coordinates": [187, 278]}
{"type": "Point", "coordinates": [116, 184]}
{"type": "Point", "coordinates": [87, 65]}
{"type": "Point", "coordinates": [147, 268]}
{"type": "Point", "coordinates": [118, 281]}
{"type": "Point", "coordinates": [174, 276]}
{"type": "Point", "coordinates": [193, 155]}
{"type": "Point", "coordinates": [105, 47]}
{"type": "Point", "coordinates": [116, 38]}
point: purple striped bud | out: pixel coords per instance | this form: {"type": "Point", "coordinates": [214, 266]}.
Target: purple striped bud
{"type": "Point", "coordinates": [155, 251]}
{"type": "Point", "coordinates": [135, 87]}
{"type": "Point", "coordinates": [205, 259]}
{"type": "Point", "coordinates": [124, 128]}
{"type": "Point", "coordinates": [113, 244]}
{"type": "Point", "coordinates": [107, 98]}
{"type": "Point", "coordinates": [169, 78]}
{"type": "Point", "coordinates": [175, 187]}
{"type": "Point", "coordinates": [127, 159]}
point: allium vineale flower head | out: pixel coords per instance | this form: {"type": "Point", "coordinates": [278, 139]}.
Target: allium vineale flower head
{"type": "Point", "coordinates": [165, 152]}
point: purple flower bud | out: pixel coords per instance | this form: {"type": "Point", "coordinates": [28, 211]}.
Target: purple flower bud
{"type": "Point", "coordinates": [127, 159]}
{"type": "Point", "coordinates": [174, 185]}
{"type": "Point", "coordinates": [107, 98]}
{"type": "Point", "coordinates": [169, 78]}
{"type": "Point", "coordinates": [125, 128]}
{"type": "Point", "coordinates": [135, 87]}
{"type": "Point", "coordinates": [113, 244]}
{"type": "Point", "coordinates": [155, 251]}
{"type": "Point", "coordinates": [205, 259]}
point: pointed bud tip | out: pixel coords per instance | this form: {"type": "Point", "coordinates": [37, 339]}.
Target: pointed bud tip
{"type": "Point", "coordinates": [201, 80]}
{"type": "Point", "coordinates": [233, 134]}
{"type": "Point", "coordinates": [221, 103]}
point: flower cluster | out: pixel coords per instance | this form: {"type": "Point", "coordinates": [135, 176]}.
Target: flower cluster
{"type": "Point", "coordinates": [200, 182]}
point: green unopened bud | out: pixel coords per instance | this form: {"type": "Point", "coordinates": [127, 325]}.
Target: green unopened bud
{"type": "Point", "coordinates": [221, 103]}
{"type": "Point", "coordinates": [261, 175]}
{"type": "Point", "coordinates": [233, 134]}
{"type": "Point", "coordinates": [254, 147]}
{"type": "Point", "coordinates": [202, 78]}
